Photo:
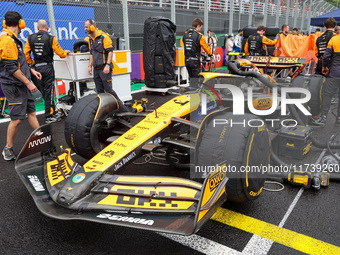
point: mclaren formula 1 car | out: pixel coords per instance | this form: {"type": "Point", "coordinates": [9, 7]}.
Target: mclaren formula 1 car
{"type": "Point", "coordinates": [216, 148]}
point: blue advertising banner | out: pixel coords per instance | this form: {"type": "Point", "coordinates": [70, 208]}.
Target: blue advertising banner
{"type": "Point", "coordinates": [69, 20]}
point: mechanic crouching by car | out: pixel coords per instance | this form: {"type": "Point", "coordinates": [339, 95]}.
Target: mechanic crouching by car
{"type": "Point", "coordinates": [15, 76]}
{"type": "Point", "coordinates": [331, 68]}
{"type": "Point", "coordinates": [42, 45]}
{"type": "Point", "coordinates": [192, 41]}
{"type": "Point", "coordinates": [101, 52]}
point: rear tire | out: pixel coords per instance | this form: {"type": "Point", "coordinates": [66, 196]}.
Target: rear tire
{"type": "Point", "coordinates": [301, 81]}
{"type": "Point", "coordinates": [315, 88]}
{"type": "Point", "coordinates": [237, 147]}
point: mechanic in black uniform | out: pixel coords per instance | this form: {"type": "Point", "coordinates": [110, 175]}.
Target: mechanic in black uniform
{"type": "Point", "coordinates": [42, 45]}
{"type": "Point", "coordinates": [255, 43]}
{"type": "Point", "coordinates": [322, 42]}
{"type": "Point", "coordinates": [192, 41]}
{"type": "Point", "coordinates": [101, 52]}
{"type": "Point", "coordinates": [331, 68]}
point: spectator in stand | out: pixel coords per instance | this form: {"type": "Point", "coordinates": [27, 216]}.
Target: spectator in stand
{"type": "Point", "coordinates": [216, 5]}
{"type": "Point", "coordinates": [238, 41]}
{"type": "Point", "coordinates": [258, 6]}
{"type": "Point", "coordinates": [295, 31]}
{"type": "Point", "coordinates": [263, 7]}
{"type": "Point", "coordinates": [246, 5]}
{"type": "Point", "coordinates": [317, 30]}
{"type": "Point", "coordinates": [337, 30]}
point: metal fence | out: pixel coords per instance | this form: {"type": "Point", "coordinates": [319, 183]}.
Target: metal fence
{"type": "Point", "coordinates": [124, 20]}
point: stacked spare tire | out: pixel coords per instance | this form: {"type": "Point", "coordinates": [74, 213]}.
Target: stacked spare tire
{"type": "Point", "coordinates": [247, 31]}
{"type": "Point", "coordinates": [159, 51]}
{"type": "Point", "coordinates": [271, 33]}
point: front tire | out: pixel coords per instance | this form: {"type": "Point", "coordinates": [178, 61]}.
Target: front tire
{"type": "Point", "coordinates": [84, 132]}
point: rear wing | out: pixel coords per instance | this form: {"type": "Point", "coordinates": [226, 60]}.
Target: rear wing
{"type": "Point", "coordinates": [276, 62]}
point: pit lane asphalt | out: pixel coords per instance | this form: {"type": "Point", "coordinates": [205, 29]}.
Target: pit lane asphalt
{"type": "Point", "coordinates": [24, 230]}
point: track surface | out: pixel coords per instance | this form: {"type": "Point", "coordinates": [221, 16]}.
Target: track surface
{"type": "Point", "coordinates": [308, 221]}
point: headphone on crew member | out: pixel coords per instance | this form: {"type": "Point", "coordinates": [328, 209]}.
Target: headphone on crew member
{"type": "Point", "coordinates": [92, 26]}
{"type": "Point", "coordinates": [22, 23]}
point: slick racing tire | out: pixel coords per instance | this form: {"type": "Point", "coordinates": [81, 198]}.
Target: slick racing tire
{"type": "Point", "coordinates": [235, 146]}
{"type": "Point", "coordinates": [81, 46]}
{"type": "Point", "coordinates": [83, 133]}
{"type": "Point", "coordinates": [300, 81]}
{"type": "Point", "coordinates": [271, 32]}
{"type": "Point", "coordinates": [248, 31]}
{"type": "Point", "coordinates": [315, 88]}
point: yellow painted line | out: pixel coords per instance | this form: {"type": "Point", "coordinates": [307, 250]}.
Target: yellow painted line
{"type": "Point", "coordinates": [277, 234]}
